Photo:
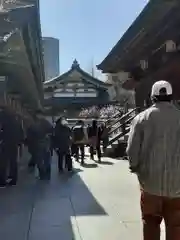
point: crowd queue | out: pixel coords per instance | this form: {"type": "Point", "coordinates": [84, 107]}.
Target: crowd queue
{"type": "Point", "coordinates": [153, 151]}
{"type": "Point", "coordinates": [42, 139]}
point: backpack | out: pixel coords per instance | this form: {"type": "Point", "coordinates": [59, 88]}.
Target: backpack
{"type": "Point", "coordinates": [78, 133]}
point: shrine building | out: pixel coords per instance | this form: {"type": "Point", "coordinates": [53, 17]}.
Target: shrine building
{"type": "Point", "coordinates": [75, 89]}
{"type": "Point", "coordinates": [149, 51]}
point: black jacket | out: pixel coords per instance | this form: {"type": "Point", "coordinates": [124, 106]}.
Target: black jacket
{"type": "Point", "coordinates": [38, 132]}
{"type": "Point", "coordinates": [11, 129]}
{"type": "Point", "coordinates": [62, 137]}
{"type": "Point", "coordinates": [95, 132]}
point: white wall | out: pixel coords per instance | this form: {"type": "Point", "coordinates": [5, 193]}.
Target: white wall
{"type": "Point", "coordinates": [77, 94]}
{"type": "Point", "coordinates": [117, 91]}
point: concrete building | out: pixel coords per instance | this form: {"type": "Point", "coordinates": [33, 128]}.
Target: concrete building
{"type": "Point", "coordinates": [51, 57]}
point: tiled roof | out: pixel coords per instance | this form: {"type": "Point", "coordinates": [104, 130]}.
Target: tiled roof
{"type": "Point", "coordinates": [85, 76]}
{"type": "Point", "coordinates": [153, 12]}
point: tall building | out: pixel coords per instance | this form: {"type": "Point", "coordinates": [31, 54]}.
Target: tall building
{"type": "Point", "coordinates": [51, 57]}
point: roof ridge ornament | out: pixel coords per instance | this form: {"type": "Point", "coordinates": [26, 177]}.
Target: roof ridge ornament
{"type": "Point", "coordinates": [75, 64]}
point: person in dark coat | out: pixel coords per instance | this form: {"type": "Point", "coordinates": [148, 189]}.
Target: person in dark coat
{"type": "Point", "coordinates": [94, 135]}
{"type": "Point", "coordinates": [11, 136]}
{"type": "Point", "coordinates": [104, 136]}
{"type": "Point", "coordinates": [39, 137]}
{"type": "Point", "coordinates": [62, 144]}
{"type": "Point", "coordinates": [30, 144]}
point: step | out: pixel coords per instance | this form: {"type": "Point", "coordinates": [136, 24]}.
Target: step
{"type": "Point", "coordinates": [116, 150]}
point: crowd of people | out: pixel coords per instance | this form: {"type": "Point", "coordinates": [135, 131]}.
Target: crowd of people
{"type": "Point", "coordinates": [43, 140]}
{"type": "Point", "coordinates": [69, 143]}
{"type": "Point", "coordinates": [153, 152]}
{"type": "Point", "coordinates": [103, 112]}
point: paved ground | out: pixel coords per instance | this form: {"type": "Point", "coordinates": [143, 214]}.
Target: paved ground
{"type": "Point", "coordinates": [99, 202]}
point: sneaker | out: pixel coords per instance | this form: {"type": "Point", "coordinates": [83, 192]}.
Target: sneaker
{"type": "Point", "coordinates": [11, 183]}
{"type": "Point", "coordinates": [2, 185]}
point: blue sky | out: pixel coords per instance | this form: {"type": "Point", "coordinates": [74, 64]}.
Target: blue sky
{"type": "Point", "coordinates": [87, 30]}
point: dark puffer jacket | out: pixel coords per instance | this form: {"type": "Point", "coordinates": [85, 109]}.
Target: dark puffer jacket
{"type": "Point", "coordinates": [62, 137]}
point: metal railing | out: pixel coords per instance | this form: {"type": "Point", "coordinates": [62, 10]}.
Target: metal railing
{"type": "Point", "coordinates": [121, 127]}
{"type": "Point", "coordinates": [121, 118]}
{"type": "Point", "coordinates": [114, 117]}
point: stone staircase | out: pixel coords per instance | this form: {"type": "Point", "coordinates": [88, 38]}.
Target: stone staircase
{"type": "Point", "coordinates": [118, 134]}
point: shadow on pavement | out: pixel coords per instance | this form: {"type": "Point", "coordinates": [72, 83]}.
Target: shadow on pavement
{"type": "Point", "coordinates": [77, 170]}
{"type": "Point", "coordinates": [90, 165]}
{"type": "Point", "coordinates": [103, 162]}
{"type": "Point", "coordinates": [46, 210]}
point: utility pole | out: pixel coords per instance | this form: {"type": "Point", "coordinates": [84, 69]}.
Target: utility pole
{"type": "Point", "coordinates": [52, 106]}
{"type": "Point", "coordinates": [92, 68]}
{"type": "Point", "coordinates": [1, 4]}
{"type": "Point", "coordinates": [59, 59]}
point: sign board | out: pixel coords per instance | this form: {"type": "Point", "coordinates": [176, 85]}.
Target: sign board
{"type": "Point", "coordinates": [3, 99]}
{"type": "Point", "coordinates": [2, 78]}
{"type": "Point", "coordinates": [2, 84]}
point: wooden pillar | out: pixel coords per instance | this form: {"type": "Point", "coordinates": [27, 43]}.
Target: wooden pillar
{"type": "Point", "coordinates": [143, 92]}
{"type": "Point", "coordinates": [139, 98]}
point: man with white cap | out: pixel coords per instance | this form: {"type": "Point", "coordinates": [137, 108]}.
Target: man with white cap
{"type": "Point", "coordinates": [154, 155]}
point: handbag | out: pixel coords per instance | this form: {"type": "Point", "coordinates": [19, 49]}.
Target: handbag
{"type": "Point", "coordinates": [93, 140]}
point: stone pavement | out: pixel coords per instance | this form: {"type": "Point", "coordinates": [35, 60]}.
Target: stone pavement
{"type": "Point", "coordinates": [99, 202]}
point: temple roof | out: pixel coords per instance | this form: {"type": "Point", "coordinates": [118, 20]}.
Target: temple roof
{"type": "Point", "coordinates": [138, 33]}
{"type": "Point", "coordinates": [76, 73]}
{"type": "Point", "coordinates": [20, 48]}
{"type": "Point", "coordinates": [75, 64]}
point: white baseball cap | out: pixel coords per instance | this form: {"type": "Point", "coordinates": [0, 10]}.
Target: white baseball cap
{"type": "Point", "coordinates": [161, 88]}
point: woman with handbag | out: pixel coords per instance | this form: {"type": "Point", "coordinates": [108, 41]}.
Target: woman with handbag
{"type": "Point", "coordinates": [79, 138]}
